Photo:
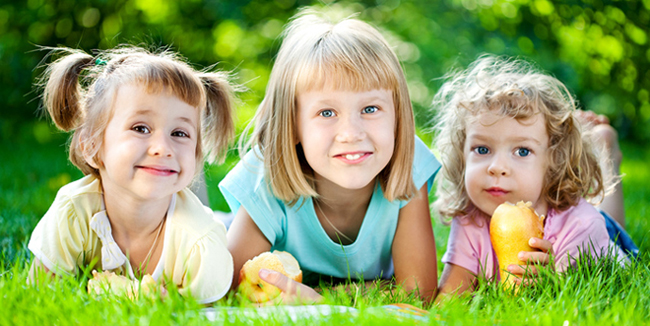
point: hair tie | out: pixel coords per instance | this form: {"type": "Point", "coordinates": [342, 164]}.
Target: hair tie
{"type": "Point", "coordinates": [100, 62]}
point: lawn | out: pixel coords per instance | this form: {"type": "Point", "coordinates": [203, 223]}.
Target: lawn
{"type": "Point", "coordinates": [35, 165]}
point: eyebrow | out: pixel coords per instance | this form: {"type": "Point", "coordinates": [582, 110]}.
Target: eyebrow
{"type": "Point", "coordinates": [516, 139]}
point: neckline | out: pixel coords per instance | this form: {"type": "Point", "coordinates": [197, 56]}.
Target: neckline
{"type": "Point", "coordinates": [373, 206]}
{"type": "Point", "coordinates": [157, 273]}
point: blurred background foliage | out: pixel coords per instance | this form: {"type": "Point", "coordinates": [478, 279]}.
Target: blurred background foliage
{"type": "Point", "coordinates": [598, 48]}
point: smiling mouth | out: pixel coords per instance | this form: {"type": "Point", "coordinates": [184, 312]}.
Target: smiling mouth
{"type": "Point", "coordinates": [354, 157]}
{"type": "Point", "coordinates": [157, 170]}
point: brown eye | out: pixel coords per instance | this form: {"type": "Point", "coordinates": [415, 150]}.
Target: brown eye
{"type": "Point", "coordinates": [141, 129]}
{"type": "Point", "coordinates": [180, 133]}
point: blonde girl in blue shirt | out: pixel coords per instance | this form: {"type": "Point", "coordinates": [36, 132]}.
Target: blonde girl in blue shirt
{"type": "Point", "coordinates": [142, 125]}
{"type": "Point", "coordinates": [335, 174]}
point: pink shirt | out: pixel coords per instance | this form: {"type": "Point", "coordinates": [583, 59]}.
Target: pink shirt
{"type": "Point", "coordinates": [580, 226]}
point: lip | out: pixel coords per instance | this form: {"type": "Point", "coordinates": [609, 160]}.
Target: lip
{"type": "Point", "coordinates": [496, 191]}
{"type": "Point", "coordinates": [353, 157]}
{"type": "Point", "coordinates": [157, 170]}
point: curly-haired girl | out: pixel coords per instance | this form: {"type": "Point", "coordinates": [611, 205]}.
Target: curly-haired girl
{"type": "Point", "coordinates": [506, 132]}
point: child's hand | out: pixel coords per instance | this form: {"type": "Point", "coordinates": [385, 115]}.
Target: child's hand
{"type": "Point", "coordinates": [533, 259]}
{"type": "Point", "coordinates": [292, 291]}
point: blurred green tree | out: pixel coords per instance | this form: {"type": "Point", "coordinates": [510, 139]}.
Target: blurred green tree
{"type": "Point", "coordinates": [598, 48]}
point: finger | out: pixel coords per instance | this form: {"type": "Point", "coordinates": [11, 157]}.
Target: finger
{"type": "Point", "coordinates": [279, 280]}
{"type": "Point", "coordinates": [527, 281]}
{"type": "Point", "coordinates": [519, 270]}
{"type": "Point", "coordinates": [602, 119]}
{"type": "Point", "coordinates": [541, 244]}
{"type": "Point", "coordinates": [534, 257]}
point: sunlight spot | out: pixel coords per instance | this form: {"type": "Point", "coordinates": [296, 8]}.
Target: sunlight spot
{"type": "Point", "coordinates": [90, 17]}
{"type": "Point", "coordinates": [59, 181]}
{"type": "Point", "coordinates": [42, 132]}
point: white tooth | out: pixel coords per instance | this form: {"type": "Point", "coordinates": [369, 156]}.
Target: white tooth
{"type": "Point", "coordinates": [352, 157]}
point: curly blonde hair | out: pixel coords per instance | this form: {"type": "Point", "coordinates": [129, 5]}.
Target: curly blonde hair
{"type": "Point", "coordinates": [315, 54]}
{"type": "Point", "coordinates": [514, 88]}
{"type": "Point", "coordinates": [79, 90]}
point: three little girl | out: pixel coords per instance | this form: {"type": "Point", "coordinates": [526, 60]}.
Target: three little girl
{"type": "Point", "coordinates": [335, 174]}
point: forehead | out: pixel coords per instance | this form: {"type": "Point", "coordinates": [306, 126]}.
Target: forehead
{"type": "Point", "coordinates": [330, 96]}
{"type": "Point", "coordinates": [133, 99]}
{"type": "Point", "coordinates": [489, 124]}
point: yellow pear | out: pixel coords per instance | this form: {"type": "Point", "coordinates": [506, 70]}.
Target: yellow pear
{"type": "Point", "coordinates": [511, 227]}
{"type": "Point", "coordinates": [259, 291]}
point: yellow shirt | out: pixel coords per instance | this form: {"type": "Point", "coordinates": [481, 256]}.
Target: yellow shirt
{"type": "Point", "coordinates": [195, 257]}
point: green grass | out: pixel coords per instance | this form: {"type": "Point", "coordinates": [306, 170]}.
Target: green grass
{"type": "Point", "coordinates": [35, 165]}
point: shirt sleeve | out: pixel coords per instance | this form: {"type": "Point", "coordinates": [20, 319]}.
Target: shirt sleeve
{"type": "Point", "coordinates": [58, 239]}
{"type": "Point", "coordinates": [245, 186]}
{"type": "Point", "coordinates": [425, 165]}
{"type": "Point", "coordinates": [209, 269]}
{"type": "Point", "coordinates": [461, 250]}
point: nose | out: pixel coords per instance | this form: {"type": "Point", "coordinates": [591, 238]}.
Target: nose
{"type": "Point", "coordinates": [350, 130]}
{"type": "Point", "coordinates": [499, 166]}
{"type": "Point", "coordinates": [159, 145]}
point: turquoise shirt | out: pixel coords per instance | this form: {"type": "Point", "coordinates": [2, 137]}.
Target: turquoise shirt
{"type": "Point", "coordinates": [297, 229]}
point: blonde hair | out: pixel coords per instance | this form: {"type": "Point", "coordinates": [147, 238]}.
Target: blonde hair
{"type": "Point", "coordinates": [514, 88]}
{"type": "Point", "coordinates": [79, 90]}
{"type": "Point", "coordinates": [315, 54]}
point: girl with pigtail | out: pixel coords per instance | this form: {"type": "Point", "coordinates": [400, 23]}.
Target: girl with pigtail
{"type": "Point", "coordinates": [143, 123]}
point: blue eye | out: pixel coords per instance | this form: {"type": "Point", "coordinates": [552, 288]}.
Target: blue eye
{"type": "Point", "coordinates": [523, 152]}
{"type": "Point", "coordinates": [326, 113]}
{"type": "Point", "coordinates": [481, 150]}
{"type": "Point", "coordinates": [141, 129]}
{"type": "Point", "coordinates": [370, 109]}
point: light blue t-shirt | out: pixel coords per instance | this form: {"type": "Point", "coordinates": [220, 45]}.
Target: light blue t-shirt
{"type": "Point", "coordinates": [297, 229]}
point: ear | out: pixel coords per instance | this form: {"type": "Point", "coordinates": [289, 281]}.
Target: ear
{"type": "Point", "coordinates": [86, 150]}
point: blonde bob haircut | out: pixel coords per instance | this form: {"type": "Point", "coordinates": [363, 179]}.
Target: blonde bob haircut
{"type": "Point", "coordinates": [514, 88]}
{"type": "Point", "coordinates": [79, 91]}
{"type": "Point", "coordinates": [318, 54]}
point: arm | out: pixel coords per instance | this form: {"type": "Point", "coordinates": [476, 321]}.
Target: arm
{"type": "Point", "coordinates": [414, 247]}
{"type": "Point", "coordinates": [455, 280]}
{"type": "Point", "coordinates": [35, 269]}
{"type": "Point", "coordinates": [245, 241]}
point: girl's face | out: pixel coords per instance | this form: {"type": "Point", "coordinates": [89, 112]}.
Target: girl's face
{"type": "Point", "coordinates": [149, 144]}
{"type": "Point", "coordinates": [506, 160]}
{"type": "Point", "coordinates": [347, 137]}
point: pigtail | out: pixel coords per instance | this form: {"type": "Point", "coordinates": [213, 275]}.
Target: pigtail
{"type": "Point", "coordinates": [218, 125]}
{"type": "Point", "coordinates": [63, 94]}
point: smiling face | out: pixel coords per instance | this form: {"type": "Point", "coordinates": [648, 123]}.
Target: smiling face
{"type": "Point", "coordinates": [150, 142]}
{"type": "Point", "coordinates": [506, 160]}
{"type": "Point", "coordinates": [348, 138]}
